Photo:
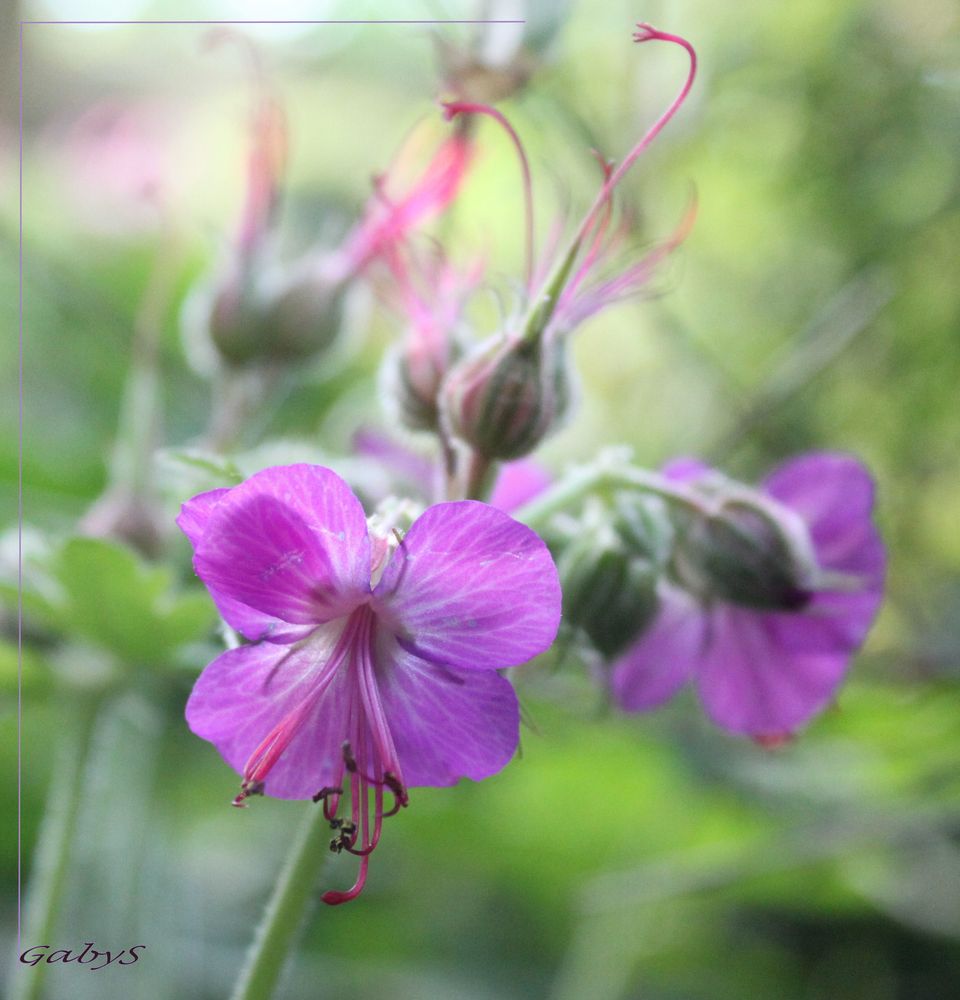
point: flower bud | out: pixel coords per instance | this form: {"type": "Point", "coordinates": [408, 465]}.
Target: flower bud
{"type": "Point", "coordinates": [228, 314]}
{"type": "Point", "coordinates": [301, 316]}
{"type": "Point", "coordinates": [499, 58]}
{"type": "Point", "coordinates": [748, 552]}
{"type": "Point", "coordinates": [242, 320]}
{"type": "Point", "coordinates": [508, 395]}
{"type": "Point", "coordinates": [411, 380]}
{"type": "Point", "coordinates": [609, 571]}
{"type": "Point", "coordinates": [431, 294]}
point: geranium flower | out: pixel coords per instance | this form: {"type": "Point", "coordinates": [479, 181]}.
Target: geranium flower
{"type": "Point", "coordinates": [373, 666]}
{"type": "Point", "coordinates": [765, 663]}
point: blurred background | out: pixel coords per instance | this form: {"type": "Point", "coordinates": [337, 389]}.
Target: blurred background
{"type": "Point", "coordinates": [814, 305]}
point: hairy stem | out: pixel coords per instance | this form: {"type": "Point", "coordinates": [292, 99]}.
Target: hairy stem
{"type": "Point", "coordinates": [282, 919]}
{"type": "Point", "coordinates": [611, 471]}
{"type": "Point", "coordinates": [52, 853]}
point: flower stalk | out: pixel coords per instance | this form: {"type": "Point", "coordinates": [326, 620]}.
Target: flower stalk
{"type": "Point", "coordinates": [284, 914]}
{"type": "Point", "coordinates": [610, 471]}
{"type": "Point", "coordinates": [49, 875]}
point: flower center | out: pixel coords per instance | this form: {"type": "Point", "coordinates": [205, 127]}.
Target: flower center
{"type": "Point", "coordinates": [368, 762]}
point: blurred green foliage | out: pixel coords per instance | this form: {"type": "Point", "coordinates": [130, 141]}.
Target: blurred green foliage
{"type": "Point", "coordinates": [815, 305]}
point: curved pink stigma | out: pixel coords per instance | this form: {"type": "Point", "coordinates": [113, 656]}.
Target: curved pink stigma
{"type": "Point", "coordinates": [644, 33]}
{"type": "Point", "coordinates": [453, 108]}
{"type": "Point", "coordinates": [334, 897]}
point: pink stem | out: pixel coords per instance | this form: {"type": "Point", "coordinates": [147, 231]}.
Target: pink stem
{"type": "Point", "coordinates": [454, 108]}
{"type": "Point", "coordinates": [644, 33]}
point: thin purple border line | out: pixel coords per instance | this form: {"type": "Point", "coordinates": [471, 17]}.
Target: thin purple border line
{"type": "Point", "coordinates": [484, 20]}
{"type": "Point", "coordinates": [20, 525]}
{"type": "Point", "coordinates": [20, 378]}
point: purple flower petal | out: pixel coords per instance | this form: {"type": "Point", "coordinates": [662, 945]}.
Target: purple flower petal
{"type": "Point", "coordinates": [657, 666]}
{"type": "Point", "coordinates": [290, 541]}
{"type": "Point", "coordinates": [517, 483]}
{"type": "Point", "coordinates": [250, 623]}
{"type": "Point", "coordinates": [764, 673]}
{"type": "Point", "coordinates": [446, 723]}
{"type": "Point", "coordinates": [833, 493]}
{"type": "Point", "coordinates": [245, 693]}
{"type": "Point", "coordinates": [195, 513]}
{"type": "Point", "coordinates": [470, 587]}
{"type": "Point", "coordinates": [749, 683]}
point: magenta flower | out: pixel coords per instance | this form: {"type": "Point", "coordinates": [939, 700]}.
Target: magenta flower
{"type": "Point", "coordinates": [373, 667]}
{"type": "Point", "coordinates": [763, 667]}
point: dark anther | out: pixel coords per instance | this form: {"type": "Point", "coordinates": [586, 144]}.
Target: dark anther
{"type": "Point", "coordinates": [346, 838]}
{"type": "Point", "coordinates": [247, 788]}
{"type": "Point", "coordinates": [400, 797]}
{"type": "Point", "coordinates": [349, 761]}
{"type": "Point", "coordinates": [324, 792]}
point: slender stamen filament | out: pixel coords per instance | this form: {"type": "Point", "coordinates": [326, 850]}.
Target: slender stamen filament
{"type": "Point", "coordinates": [454, 108]}
{"type": "Point", "coordinates": [271, 748]}
{"type": "Point", "coordinates": [595, 248]}
{"type": "Point", "coordinates": [368, 760]}
{"type": "Point", "coordinates": [368, 757]}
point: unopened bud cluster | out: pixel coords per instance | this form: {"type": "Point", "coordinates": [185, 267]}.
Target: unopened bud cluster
{"type": "Point", "coordinates": [610, 560]}
{"type": "Point", "coordinates": [744, 549]}
{"type": "Point", "coordinates": [722, 542]}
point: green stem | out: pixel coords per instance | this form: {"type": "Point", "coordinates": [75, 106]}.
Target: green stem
{"type": "Point", "coordinates": [480, 477]}
{"type": "Point", "coordinates": [127, 508]}
{"type": "Point", "coordinates": [278, 930]}
{"type": "Point", "coordinates": [543, 306]}
{"type": "Point", "coordinates": [52, 853]}
{"type": "Point", "coordinates": [608, 472]}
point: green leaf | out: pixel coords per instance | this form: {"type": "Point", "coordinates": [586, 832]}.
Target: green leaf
{"type": "Point", "coordinates": [120, 603]}
{"type": "Point", "coordinates": [36, 673]}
